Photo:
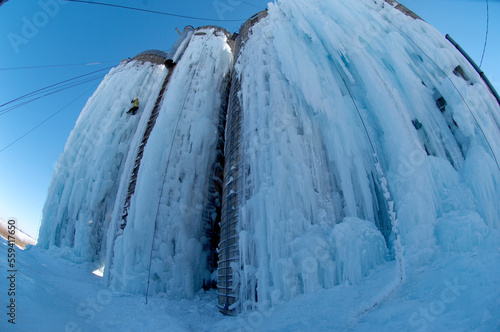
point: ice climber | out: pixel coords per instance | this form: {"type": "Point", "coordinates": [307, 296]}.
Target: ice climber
{"type": "Point", "coordinates": [134, 108]}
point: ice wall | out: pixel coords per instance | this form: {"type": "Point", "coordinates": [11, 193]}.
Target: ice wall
{"type": "Point", "coordinates": [325, 85]}
{"type": "Point", "coordinates": [349, 111]}
{"type": "Point", "coordinates": [82, 192]}
{"type": "Point", "coordinates": [173, 181]}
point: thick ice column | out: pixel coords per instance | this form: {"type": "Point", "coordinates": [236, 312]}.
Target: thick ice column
{"type": "Point", "coordinates": [165, 224]}
{"type": "Point", "coordinates": [311, 124]}
{"type": "Point", "coordinates": [82, 193]}
{"type": "Point", "coordinates": [291, 173]}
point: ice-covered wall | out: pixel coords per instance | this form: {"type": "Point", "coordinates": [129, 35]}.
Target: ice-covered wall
{"type": "Point", "coordinates": [350, 114]}
{"type": "Point", "coordinates": [82, 192]}
{"type": "Point", "coordinates": [174, 179]}
{"type": "Point", "coordinates": [325, 85]}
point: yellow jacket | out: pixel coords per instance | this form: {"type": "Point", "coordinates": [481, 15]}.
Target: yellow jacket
{"type": "Point", "coordinates": [136, 103]}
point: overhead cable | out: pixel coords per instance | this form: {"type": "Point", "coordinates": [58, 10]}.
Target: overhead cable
{"type": "Point", "coordinates": [487, 29]}
{"type": "Point", "coordinates": [250, 4]}
{"type": "Point", "coordinates": [41, 123]}
{"type": "Point", "coordinates": [51, 86]}
{"type": "Point", "coordinates": [50, 92]}
{"type": "Point", "coordinates": [154, 11]}
{"type": "Point", "coordinates": [63, 65]}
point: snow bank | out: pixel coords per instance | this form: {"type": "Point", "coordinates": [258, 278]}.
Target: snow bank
{"type": "Point", "coordinates": [359, 247]}
{"type": "Point", "coordinates": [460, 231]}
{"type": "Point", "coordinates": [483, 179]}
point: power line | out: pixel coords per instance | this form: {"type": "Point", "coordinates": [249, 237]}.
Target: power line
{"type": "Point", "coordinates": [65, 65]}
{"type": "Point", "coordinates": [55, 88]}
{"type": "Point", "coordinates": [53, 85]}
{"type": "Point", "coordinates": [41, 123]}
{"type": "Point", "coordinates": [250, 4]}
{"type": "Point", "coordinates": [154, 11]}
{"type": "Point", "coordinates": [48, 88]}
{"type": "Point", "coordinates": [487, 28]}
{"type": "Point", "coordinates": [54, 91]}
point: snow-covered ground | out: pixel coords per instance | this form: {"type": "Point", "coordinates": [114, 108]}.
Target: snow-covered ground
{"type": "Point", "coordinates": [457, 292]}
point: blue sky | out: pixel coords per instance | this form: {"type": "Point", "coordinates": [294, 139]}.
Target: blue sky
{"type": "Point", "coordinates": [61, 33]}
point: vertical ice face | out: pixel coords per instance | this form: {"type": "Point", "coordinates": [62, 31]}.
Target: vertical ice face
{"type": "Point", "coordinates": [174, 178]}
{"type": "Point", "coordinates": [325, 86]}
{"type": "Point", "coordinates": [348, 112]}
{"type": "Point", "coordinates": [82, 193]}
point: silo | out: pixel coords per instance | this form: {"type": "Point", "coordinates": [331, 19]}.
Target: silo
{"type": "Point", "coordinates": [248, 281]}
{"type": "Point", "coordinates": [233, 192]}
{"type": "Point", "coordinates": [159, 238]}
{"type": "Point", "coordinates": [83, 189]}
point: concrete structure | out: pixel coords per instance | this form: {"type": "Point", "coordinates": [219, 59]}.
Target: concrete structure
{"type": "Point", "coordinates": [158, 57]}
{"type": "Point", "coordinates": [153, 56]}
{"type": "Point", "coordinates": [403, 9]}
{"type": "Point", "coordinates": [234, 190]}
